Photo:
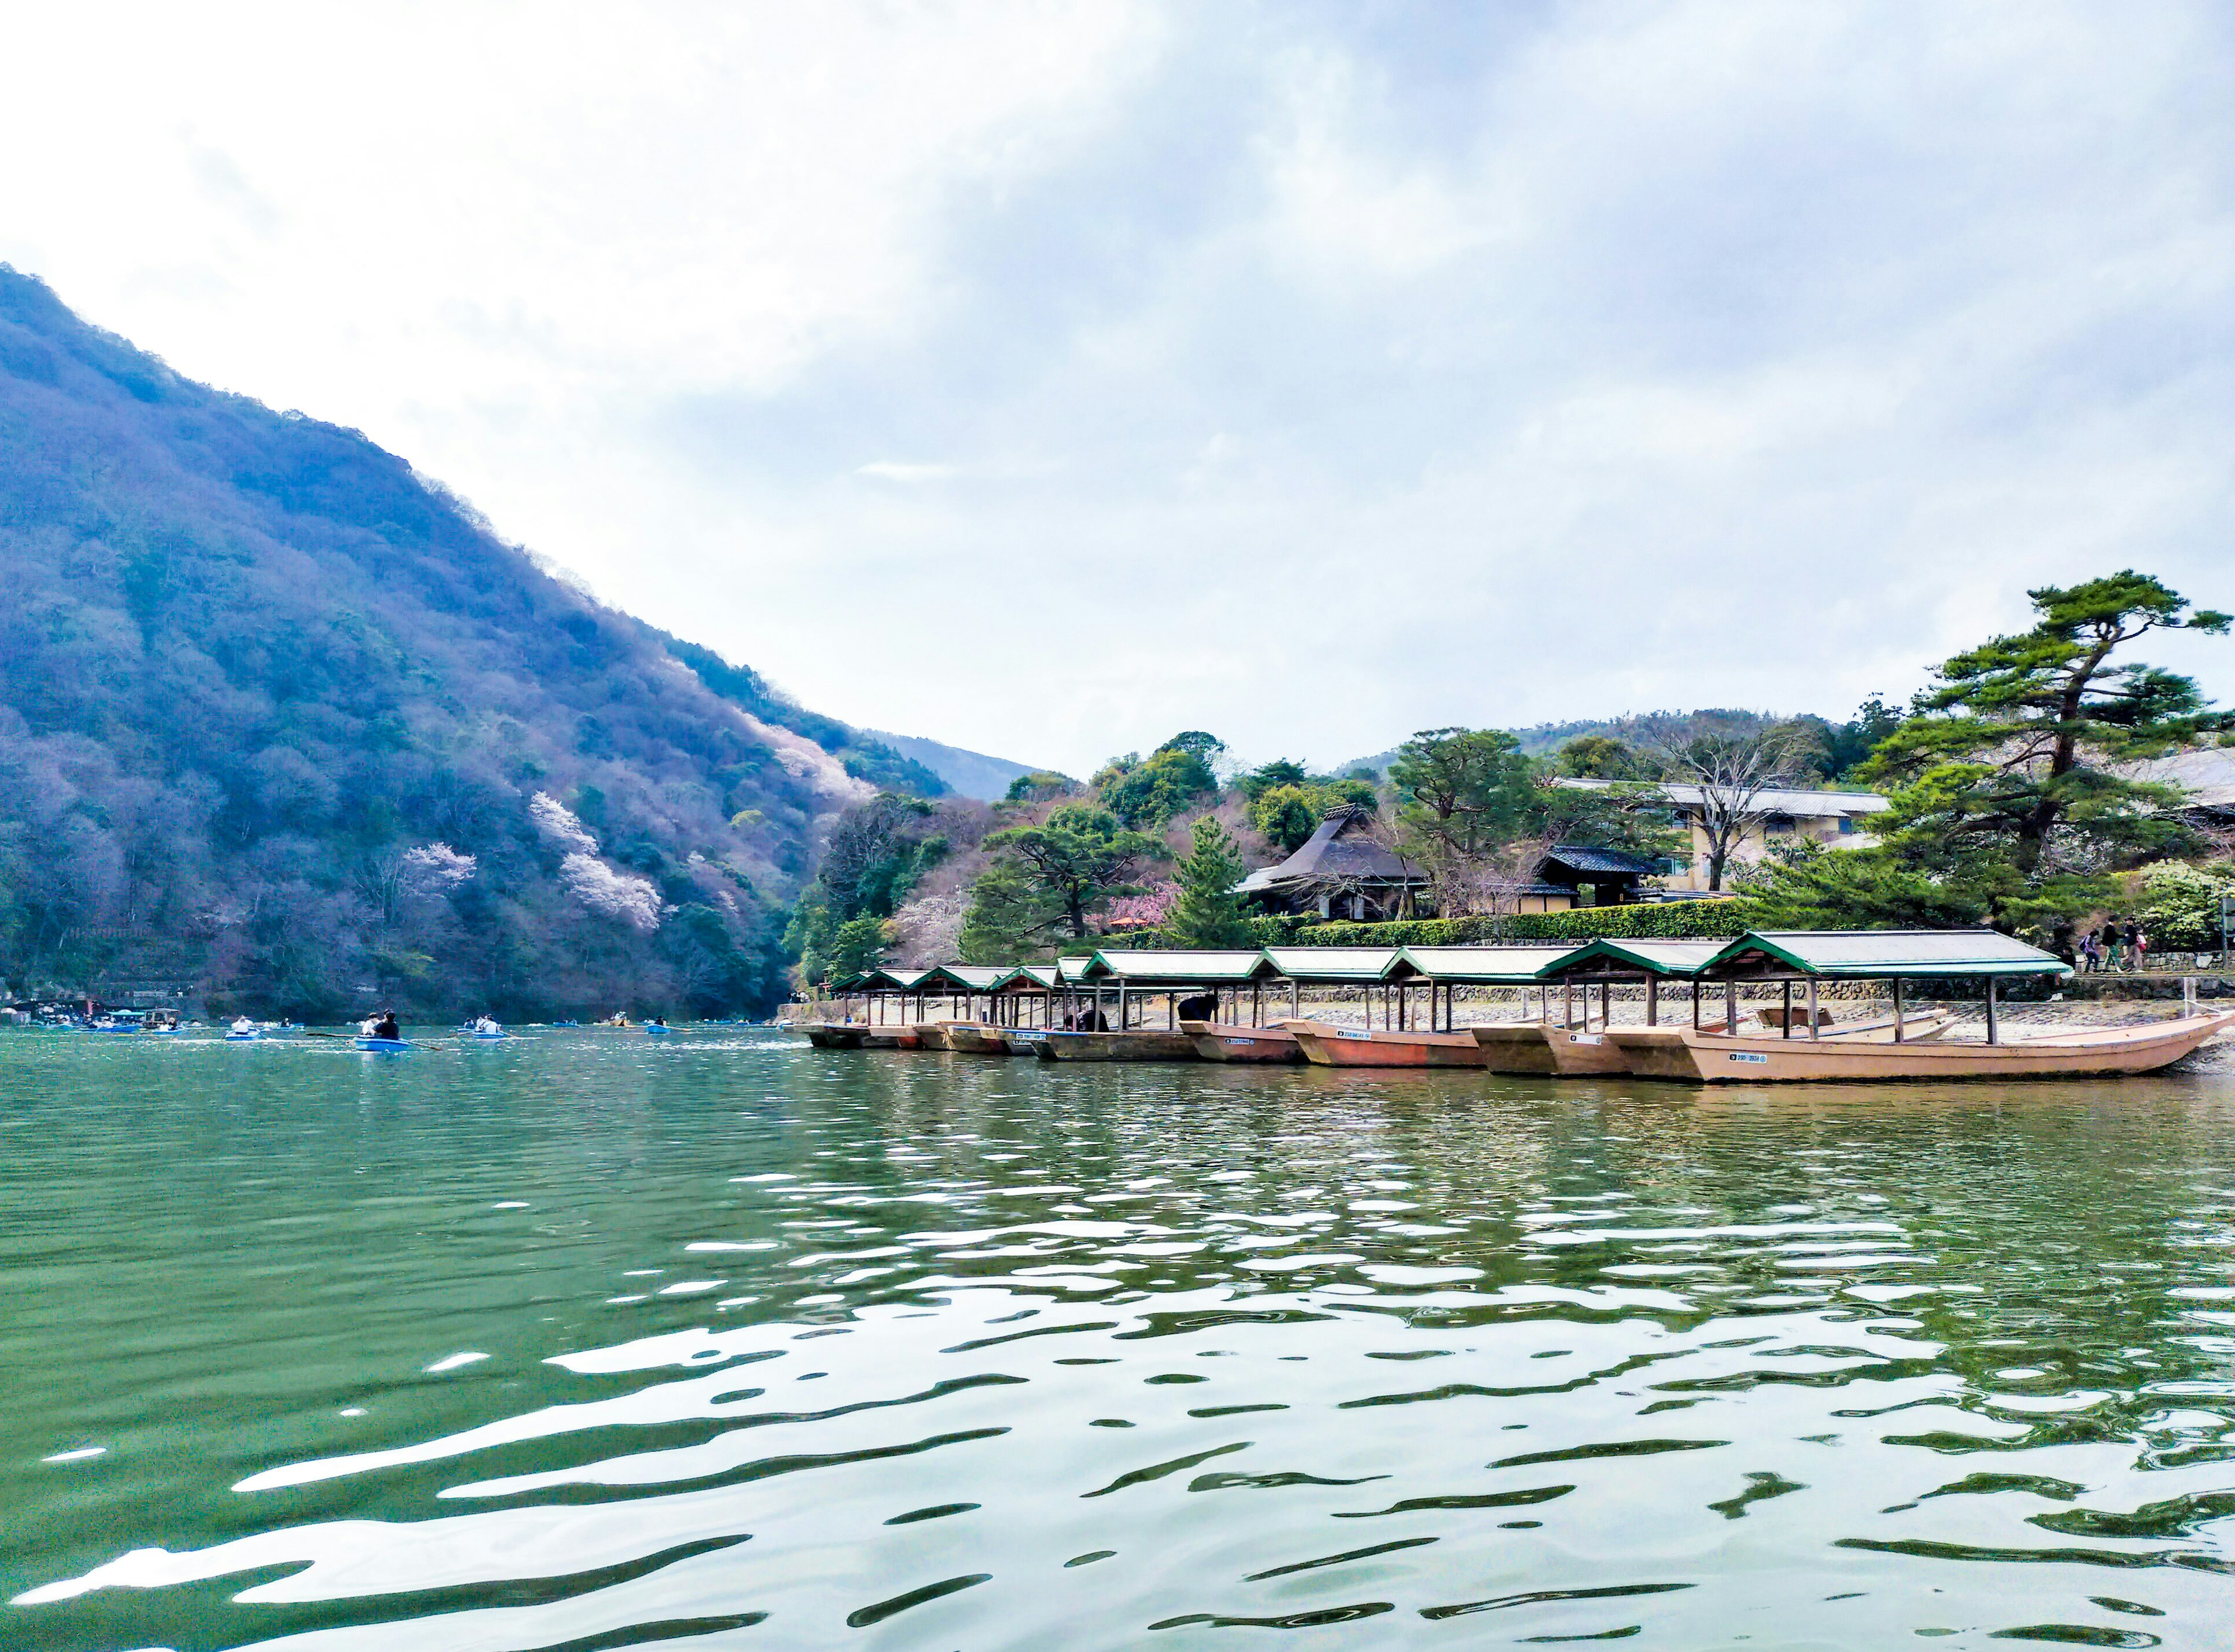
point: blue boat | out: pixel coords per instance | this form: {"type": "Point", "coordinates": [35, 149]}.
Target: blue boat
{"type": "Point", "coordinates": [655, 1031]}
{"type": "Point", "coordinates": [385, 1046]}
{"type": "Point", "coordinates": [243, 1038]}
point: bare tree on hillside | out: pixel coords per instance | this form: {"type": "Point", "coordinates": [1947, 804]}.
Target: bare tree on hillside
{"type": "Point", "coordinates": [1731, 772]}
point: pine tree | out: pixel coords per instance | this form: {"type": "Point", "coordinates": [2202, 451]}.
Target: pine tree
{"type": "Point", "coordinates": [1209, 913]}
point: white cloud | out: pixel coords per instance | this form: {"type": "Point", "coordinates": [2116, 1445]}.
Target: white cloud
{"type": "Point", "coordinates": [1048, 379]}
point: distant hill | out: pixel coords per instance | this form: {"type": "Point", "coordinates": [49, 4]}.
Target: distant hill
{"type": "Point", "coordinates": [972, 774]}
{"type": "Point", "coordinates": [1637, 728]}
{"type": "Point", "coordinates": [282, 719]}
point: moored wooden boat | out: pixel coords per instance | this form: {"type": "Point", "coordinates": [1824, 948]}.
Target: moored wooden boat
{"type": "Point", "coordinates": [2094, 1053]}
{"type": "Point", "coordinates": [932, 1035]}
{"type": "Point", "coordinates": [1022, 1040]}
{"type": "Point", "coordinates": [1325, 1044]}
{"type": "Point", "coordinates": [1660, 1052]}
{"type": "Point", "coordinates": [891, 1038]}
{"type": "Point", "coordinates": [1515, 1047]}
{"type": "Point", "coordinates": [1578, 1053]}
{"type": "Point", "coordinates": [973, 1038]}
{"type": "Point", "coordinates": [1220, 1041]}
{"type": "Point", "coordinates": [1137, 1044]}
{"type": "Point", "coordinates": [833, 1035]}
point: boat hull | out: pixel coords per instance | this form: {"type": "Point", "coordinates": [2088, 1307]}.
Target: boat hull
{"type": "Point", "coordinates": [2109, 1052]}
{"type": "Point", "coordinates": [1325, 1046]}
{"type": "Point", "coordinates": [889, 1037]}
{"type": "Point", "coordinates": [830, 1035]}
{"type": "Point", "coordinates": [383, 1046]}
{"type": "Point", "coordinates": [932, 1035]}
{"type": "Point", "coordinates": [1114, 1046]}
{"type": "Point", "coordinates": [1262, 1046]}
{"type": "Point", "coordinates": [1577, 1054]}
{"type": "Point", "coordinates": [970, 1037]}
{"type": "Point", "coordinates": [1515, 1046]}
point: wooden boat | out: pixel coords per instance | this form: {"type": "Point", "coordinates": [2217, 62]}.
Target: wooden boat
{"type": "Point", "coordinates": [889, 1037]}
{"type": "Point", "coordinates": [1578, 1053]}
{"type": "Point", "coordinates": [1219, 1041]}
{"type": "Point", "coordinates": [1022, 1040]}
{"type": "Point", "coordinates": [1137, 1045]}
{"type": "Point", "coordinates": [833, 1035]}
{"type": "Point", "coordinates": [2094, 1053]}
{"type": "Point", "coordinates": [973, 1037]}
{"type": "Point", "coordinates": [1515, 1046]}
{"type": "Point", "coordinates": [932, 1035]}
{"type": "Point", "coordinates": [1325, 1044]}
{"type": "Point", "coordinates": [1659, 1052]}
{"type": "Point", "coordinates": [383, 1046]}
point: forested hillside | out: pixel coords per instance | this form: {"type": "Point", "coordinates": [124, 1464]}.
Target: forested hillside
{"type": "Point", "coordinates": [280, 717]}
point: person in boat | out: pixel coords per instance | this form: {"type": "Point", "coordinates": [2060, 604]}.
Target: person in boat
{"type": "Point", "coordinates": [1204, 1006]}
{"type": "Point", "coordinates": [242, 1024]}
{"type": "Point", "coordinates": [487, 1024]}
{"type": "Point", "coordinates": [659, 1020]}
{"type": "Point", "coordinates": [386, 1028]}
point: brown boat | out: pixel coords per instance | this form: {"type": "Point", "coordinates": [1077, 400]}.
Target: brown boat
{"type": "Point", "coordinates": [1660, 1052]}
{"type": "Point", "coordinates": [889, 1037]}
{"type": "Point", "coordinates": [1515, 1046]}
{"type": "Point", "coordinates": [1325, 1044]}
{"type": "Point", "coordinates": [932, 1035]}
{"type": "Point", "coordinates": [1134, 1046]}
{"type": "Point", "coordinates": [2097, 1052]}
{"type": "Point", "coordinates": [973, 1038]}
{"type": "Point", "coordinates": [1219, 1041]}
{"type": "Point", "coordinates": [833, 1035]}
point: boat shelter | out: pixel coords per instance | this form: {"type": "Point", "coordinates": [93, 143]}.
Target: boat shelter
{"type": "Point", "coordinates": [1808, 956]}
{"type": "Point", "coordinates": [1604, 962]}
{"type": "Point", "coordinates": [1217, 975]}
{"type": "Point", "coordinates": [1450, 967]}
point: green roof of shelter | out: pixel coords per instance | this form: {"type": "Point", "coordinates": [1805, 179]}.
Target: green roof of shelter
{"type": "Point", "coordinates": [905, 981]}
{"type": "Point", "coordinates": [974, 977]}
{"type": "Point", "coordinates": [1483, 965]}
{"type": "Point", "coordinates": [1879, 953]}
{"type": "Point", "coordinates": [1333, 964]}
{"type": "Point", "coordinates": [1073, 969]}
{"type": "Point", "coordinates": [1607, 957]}
{"type": "Point", "coordinates": [1039, 974]}
{"type": "Point", "coordinates": [1176, 969]}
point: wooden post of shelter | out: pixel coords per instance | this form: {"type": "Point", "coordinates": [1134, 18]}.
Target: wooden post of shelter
{"type": "Point", "coordinates": [1811, 1006]}
{"type": "Point", "coordinates": [1994, 1029]}
{"type": "Point", "coordinates": [1897, 1009]}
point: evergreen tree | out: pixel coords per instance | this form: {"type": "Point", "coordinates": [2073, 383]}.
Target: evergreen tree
{"type": "Point", "coordinates": [1077, 859]}
{"type": "Point", "coordinates": [1209, 913]}
{"type": "Point", "coordinates": [2021, 749]}
{"type": "Point", "coordinates": [1009, 919]}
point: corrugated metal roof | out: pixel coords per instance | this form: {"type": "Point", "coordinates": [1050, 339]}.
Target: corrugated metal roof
{"type": "Point", "coordinates": [1483, 965]}
{"type": "Point", "coordinates": [885, 978]}
{"type": "Point", "coordinates": [1608, 956]}
{"type": "Point", "coordinates": [1039, 974]}
{"type": "Point", "coordinates": [1177, 968]}
{"type": "Point", "coordinates": [1073, 969]}
{"type": "Point", "coordinates": [977, 978]}
{"type": "Point", "coordinates": [1882, 953]}
{"type": "Point", "coordinates": [1333, 963]}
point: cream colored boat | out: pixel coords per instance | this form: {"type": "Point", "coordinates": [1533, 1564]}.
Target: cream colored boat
{"type": "Point", "coordinates": [1717, 1057]}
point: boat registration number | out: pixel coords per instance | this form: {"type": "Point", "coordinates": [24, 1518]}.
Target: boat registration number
{"type": "Point", "coordinates": [1241, 1043]}
{"type": "Point", "coordinates": [1351, 1032]}
{"type": "Point", "coordinates": [1021, 1033]}
{"type": "Point", "coordinates": [1587, 1038]}
{"type": "Point", "coordinates": [1757, 1060]}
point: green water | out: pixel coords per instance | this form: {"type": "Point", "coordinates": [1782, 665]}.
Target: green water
{"type": "Point", "coordinates": [591, 1340]}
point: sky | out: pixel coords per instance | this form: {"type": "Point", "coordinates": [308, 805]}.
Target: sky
{"type": "Point", "coordinates": [1046, 379]}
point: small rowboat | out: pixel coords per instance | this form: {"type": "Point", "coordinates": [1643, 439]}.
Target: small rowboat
{"type": "Point", "coordinates": [383, 1046]}
{"type": "Point", "coordinates": [1217, 1041]}
{"type": "Point", "coordinates": [655, 1032]}
{"type": "Point", "coordinates": [1325, 1044]}
{"type": "Point", "coordinates": [243, 1038]}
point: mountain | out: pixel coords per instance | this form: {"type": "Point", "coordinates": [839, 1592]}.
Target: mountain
{"type": "Point", "coordinates": [284, 721]}
{"type": "Point", "coordinates": [971, 774]}
{"type": "Point", "coordinates": [1635, 730]}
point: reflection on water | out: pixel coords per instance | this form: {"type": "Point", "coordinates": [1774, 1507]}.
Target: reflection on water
{"type": "Point", "coordinates": [583, 1343]}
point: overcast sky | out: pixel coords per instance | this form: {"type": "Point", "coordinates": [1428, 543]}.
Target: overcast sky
{"type": "Point", "coordinates": [1046, 380]}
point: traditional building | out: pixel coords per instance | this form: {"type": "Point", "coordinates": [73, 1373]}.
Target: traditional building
{"type": "Point", "coordinates": [1342, 871]}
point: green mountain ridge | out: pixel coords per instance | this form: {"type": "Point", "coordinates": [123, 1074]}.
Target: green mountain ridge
{"type": "Point", "coordinates": [284, 721]}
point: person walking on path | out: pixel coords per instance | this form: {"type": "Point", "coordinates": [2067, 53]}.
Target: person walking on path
{"type": "Point", "coordinates": [2138, 942]}
{"type": "Point", "coordinates": [2091, 954]}
{"type": "Point", "coordinates": [2112, 960]}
